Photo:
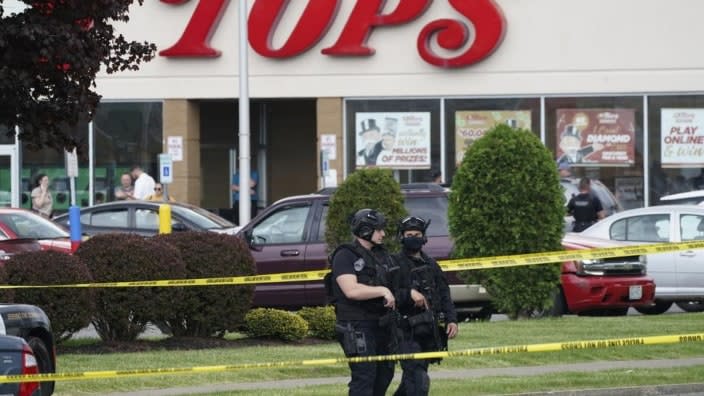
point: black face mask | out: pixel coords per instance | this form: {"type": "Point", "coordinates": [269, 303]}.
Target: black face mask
{"type": "Point", "coordinates": [412, 244]}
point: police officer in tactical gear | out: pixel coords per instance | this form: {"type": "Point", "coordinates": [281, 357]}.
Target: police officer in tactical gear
{"type": "Point", "coordinates": [585, 207]}
{"type": "Point", "coordinates": [422, 317]}
{"type": "Point", "coordinates": [362, 293]}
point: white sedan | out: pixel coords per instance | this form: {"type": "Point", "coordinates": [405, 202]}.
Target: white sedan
{"type": "Point", "coordinates": [679, 276]}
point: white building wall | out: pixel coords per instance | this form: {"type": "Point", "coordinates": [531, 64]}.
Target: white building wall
{"type": "Point", "coordinates": [550, 47]}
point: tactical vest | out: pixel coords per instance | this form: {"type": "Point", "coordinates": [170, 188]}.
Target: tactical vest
{"type": "Point", "coordinates": [369, 271]}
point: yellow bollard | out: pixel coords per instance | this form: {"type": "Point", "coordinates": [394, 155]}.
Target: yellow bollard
{"type": "Point", "coordinates": [165, 219]}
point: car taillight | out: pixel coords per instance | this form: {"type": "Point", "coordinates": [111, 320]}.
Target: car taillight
{"type": "Point", "coordinates": [29, 366]}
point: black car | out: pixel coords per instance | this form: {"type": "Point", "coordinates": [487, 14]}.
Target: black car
{"type": "Point", "coordinates": [17, 358]}
{"type": "Point", "coordinates": [142, 217]}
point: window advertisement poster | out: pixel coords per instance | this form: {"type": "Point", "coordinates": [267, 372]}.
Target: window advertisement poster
{"type": "Point", "coordinates": [393, 140]}
{"type": "Point", "coordinates": [596, 137]}
{"type": "Point", "coordinates": [682, 138]}
{"type": "Point", "coordinates": [471, 125]}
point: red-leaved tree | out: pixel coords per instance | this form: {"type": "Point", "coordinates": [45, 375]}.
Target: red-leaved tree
{"type": "Point", "coordinates": [50, 54]}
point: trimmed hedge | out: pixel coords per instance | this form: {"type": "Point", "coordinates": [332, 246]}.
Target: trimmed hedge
{"type": "Point", "coordinates": [69, 309]}
{"type": "Point", "coordinates": [321, 321]}
{"type": "Point", "coordinates": [123, 313]}
{"type": "Point", "coordinates": [371, 188]}
{"type": "Point", "coordinates": [275, 323]}
{"type": "Point", "coordinates": [506, 199]}
{"type": "Point", "coordinates": [211, 310]}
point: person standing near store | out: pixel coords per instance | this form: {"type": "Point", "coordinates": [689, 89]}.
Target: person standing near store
{"type": "Point", "coordinates": [235, 188]}
{"type": "Point", "coordinates": [430, 304]}
{"type": "Point", "coordinates": [158, 195]}
{"type": "Point", "coordinates": [361, 291]}
{"type": "Point", "coordinates": [585, 207]}
{"type": "Point", "coordinates": [42, 201]}
{"type": "Point", "coordinates": [125, 190]}
{"type": "Point", "coordinates": [143, 183]}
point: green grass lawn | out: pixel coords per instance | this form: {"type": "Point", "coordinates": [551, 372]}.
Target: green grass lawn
{"type": "Point", "coordinates": [472, 335]}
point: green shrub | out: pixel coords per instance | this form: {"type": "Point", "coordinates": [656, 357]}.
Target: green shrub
{"type": "Point", "coordinates": [506, 199]}
{"type": "Point", "coordinates": [69, 309]}
{"type": "Point", "coordinates": [5, 294]}
{"type": "Point", "coordinates": [321, 321]}
{"type": "Point", "coordinates": [122, 313]}
{"type": "Point", "coordinates": [275, 323]}
{"type": "Point", "coordinates": [371, 188]}
{"type": "Point", "coordinates": [206, 311]}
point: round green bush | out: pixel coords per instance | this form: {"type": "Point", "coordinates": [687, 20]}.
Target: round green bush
{"type": "Point", "coordinates": [275, 323]}
{"type": "Point", "coordinates": [122, 313]}
{"type": "Point", "coordinates": [506, 199]}
{"type": "Point", "coordinates": [206, 311]}
{"type": "Point", "coordinates": [321, 321]}
{"type": "Point", "coordinates": [69, 309]}
{"type": "Point", "coordinates": [371, 188]}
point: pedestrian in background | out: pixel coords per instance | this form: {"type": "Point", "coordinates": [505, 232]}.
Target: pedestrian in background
{"type": "Point", "coordinates": [143, 183]}
{"type": "Point", "coordinates": [235, 187]}
{"type": "Point", "coordinates": [360, 289]}
{"type": "Point", "coordinates": [158, 194]}
{"type": "Point", "coordinates": [429, 317]}
{"type": "Point", "coordinates": [585, 207]}
{"type": "Point", "coordinates": [42, 201]}
{"type": "Point", "coordinates": [125, 190]}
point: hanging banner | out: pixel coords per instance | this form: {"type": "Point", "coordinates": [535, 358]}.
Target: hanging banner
{"type": "Point", "coordinates": [596, 137]}
{"type": "Point", "coordinates": [393, 140]}
{"type": "Point", "coordinates": [471, 125]}
{"type": "Point", "coordinates": [682, 138]}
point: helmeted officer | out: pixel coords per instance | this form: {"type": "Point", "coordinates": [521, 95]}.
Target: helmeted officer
{"type": "Point", "coordinates": [361, 291]}
{"type": "Point", "coordinates": [585, 207]}
{"type": "Point", "coordinates": [422, 316]}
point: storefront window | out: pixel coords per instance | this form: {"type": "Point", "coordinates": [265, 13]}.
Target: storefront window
{"type": "Point", "coordinates": [403, 135]}
{"type": "Point", "coordinates": [675, 144]}
{"type": "Point", "coordinates": [466, 120]}
{"type": "Point", "coordinates": [125, 134]}
{"type": "Point", "coordinates": [600, 138]}
{"type": "Point", "coordinates": [52, 162]}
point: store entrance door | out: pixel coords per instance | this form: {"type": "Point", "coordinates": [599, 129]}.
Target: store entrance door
{"type": "Point", "coordinates": [9, 176]}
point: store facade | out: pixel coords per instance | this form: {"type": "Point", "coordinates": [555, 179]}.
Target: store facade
{"type": "Point", "coordinates": [603, 84]}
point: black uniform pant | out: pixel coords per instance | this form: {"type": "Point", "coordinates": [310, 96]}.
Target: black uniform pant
{"type": "Point", "coordinates": [372, 378]}
{"type": "Point", "coordinates": [415, 380]}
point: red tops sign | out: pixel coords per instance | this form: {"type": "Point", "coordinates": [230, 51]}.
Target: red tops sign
{"type": "Point", "coordinates": [318, 16]}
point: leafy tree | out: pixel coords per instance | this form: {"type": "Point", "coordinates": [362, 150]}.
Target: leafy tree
{"type": "Point", "coordinates": [506, 199]}
{"type": "Point", "coordinates": [49, 56]}
{"type": "Point", "coordinates": [371, 188]}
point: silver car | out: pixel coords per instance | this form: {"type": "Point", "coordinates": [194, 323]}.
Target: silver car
{"type": "Point", "coordinates": [679, 276]}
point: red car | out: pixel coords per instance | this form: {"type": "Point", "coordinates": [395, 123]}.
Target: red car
{"type": "Point", "coordinates": [605, 286]}
{"type": "Point", "coordinates": [24, 224]}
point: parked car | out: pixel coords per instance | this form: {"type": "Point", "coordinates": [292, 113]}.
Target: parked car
{"type": "Point", "coordinates": [28, 321]}
{"type": "Point", "coordinates": [289, 236]}
{"type": "Point", "coordinates": [686, 198]}
{"type": "Point", "coordinates": [679, 276]}
{"type": "Point", "coordinates": [17, 358]}
{"type": "Point", "coordinates": [605, 286]}
{"type": "Point", "coordinates": [570, 188]}
{"type": "Point", "coordinates": [142, 217]}
{"type": "Point", "coordinates": [24, 224]}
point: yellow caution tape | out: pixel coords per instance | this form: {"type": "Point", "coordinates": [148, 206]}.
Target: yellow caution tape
{"type": "Point", "coordinates": [447, 265]}
{"type": "Point", "coordinates": [550, 347]}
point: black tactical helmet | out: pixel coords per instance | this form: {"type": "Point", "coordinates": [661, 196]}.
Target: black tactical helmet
{"type": "Point", "coordinates": [365, 221]}
{"type": "Point", "coordinates": [413, 223]}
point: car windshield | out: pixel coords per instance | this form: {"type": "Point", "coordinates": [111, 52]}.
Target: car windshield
{"type": "Point", "coordinates": [432, 208]}
{"type": "Point", "coordinates": [202, 218]}
{"type": "Point", "coordinates": [30, 225]}
{"type": "Point", "coordinates": [607, 199]}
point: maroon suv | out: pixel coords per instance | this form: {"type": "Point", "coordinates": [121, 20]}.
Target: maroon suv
{"type": "Point", "coordinates": [289, 236]}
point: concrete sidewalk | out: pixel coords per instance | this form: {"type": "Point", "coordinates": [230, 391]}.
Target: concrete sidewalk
{"type": "Point", "coordinates": [685, 389]}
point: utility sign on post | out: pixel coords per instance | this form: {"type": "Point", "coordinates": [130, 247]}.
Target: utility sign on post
{"type": "Point", "coordinates": [72, 172]}
{"type": "Point", "coordinates": [166, 168]}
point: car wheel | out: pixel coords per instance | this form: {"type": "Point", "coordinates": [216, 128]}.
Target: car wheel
{"type": "Point", "coordinates": [559, 304]}
{"type": "Point", "coordinates": [691, 306]}
{"type": "Point", "coordinates": [655, 309]}
{"type": "Point", "coordinates": [41, 353]}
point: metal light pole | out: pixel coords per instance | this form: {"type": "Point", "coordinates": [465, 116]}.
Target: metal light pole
{"type": "Point", "coordinates": [244, 152]}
